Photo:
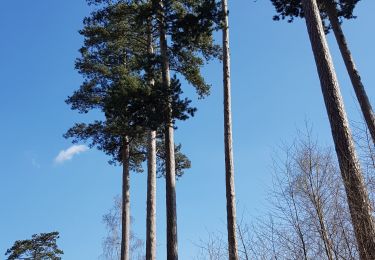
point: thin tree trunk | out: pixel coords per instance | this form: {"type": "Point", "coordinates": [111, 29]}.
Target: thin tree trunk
{"type": "Point", "coordinates": [297, 221]}
{"type": "Point", "coordinates": [324, 233]}
{"type": "Point", "coordinates": [172, 249]}
{"type": "Point", "coordinates": [316, 200]}
{"type": "Point", "coordinates": [229, 168]}
{"type": "Point", "coordinates": [151, 198]}
{"type": "Point", "coordinates": [356, 191]}
{"type": "Point", "coordinates": [355, 78]}
{"type": "Point", "coordinates": [125, 209]}
{"type": "Point", "coordinates": [151, 177]}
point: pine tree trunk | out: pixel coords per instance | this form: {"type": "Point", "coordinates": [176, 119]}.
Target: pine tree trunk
{"type": "Point", "coordinates": [355, 78]}
{"type": "Point", "coordinates": [229, 168]}
{"type": "Point", "coordinates": [172, 250]}
{"type": "Point", "coordinates": [151, 197]}
{"type": "Point", "coordinates": [151, 174]}
{"type": "Point", "coordinates": [125, 213]}
{"type": "Point", "coordinates": [355, 188]}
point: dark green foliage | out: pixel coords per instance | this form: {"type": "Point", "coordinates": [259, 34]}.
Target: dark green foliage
{"type": "Point", "coordinates": [40, 247]}
{"type": "Point", "coordinates": [190, 26]}
{"type": "Point", "coordinates": [290, 9]}
{"type": "Point", "coordinates": [113, 61]}
{"type": "Point", "coordinates": [182, 162]}
{"type": "Point", "coordinates": [109, 139]}
{"type": "Point", "coordinates": [149, 105]}
{"type": "Point", "coordinates": [118, 68]}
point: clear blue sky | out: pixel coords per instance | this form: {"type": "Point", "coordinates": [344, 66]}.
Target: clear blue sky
{"type": "Point", "coordinates": [275, 89]}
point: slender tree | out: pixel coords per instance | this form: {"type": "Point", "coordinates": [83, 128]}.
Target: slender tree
{"type": "Point", "coordinates": [189, 24]}
{"type": "Point", "coordinates": [355, 78]}
{"type": "Point", "coordinates": [334, 11]}
{"type": "Point", "coordinates": [308, 217]}
{"type": "Point", "coordinates": [151, 165]}
{"type": "Point", "coordinates": [112, 240]}
{"type": "Point", "coordinates": [114, 85]}
{"type": "Point", "coordinates": [172, 250]}
{"type": "Point", "coordinates": [356, 191]}
{"type": "Point", "coordinates": [229, 165]}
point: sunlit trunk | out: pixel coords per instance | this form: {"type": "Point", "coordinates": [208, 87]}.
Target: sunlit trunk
{"type": "Point", "coordinates": [355, 78]}
{"type": "Point", "coordinates": [172, 250]}
{"type": "Point", "coordinates": [357, 195]}
{"type": "Point", "coordinates": [125, 214]}
{"type": "Point", "coordinates": [229, 168]}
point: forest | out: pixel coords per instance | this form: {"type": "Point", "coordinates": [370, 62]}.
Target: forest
{"type": "Point", "coordinates": [195, 129]}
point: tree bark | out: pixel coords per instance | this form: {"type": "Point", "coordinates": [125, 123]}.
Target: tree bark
{"type": "Point", "coordinates": [355, 78]}
{"type": "Point", "coordinates": [229, 167]}
{"type": "Point", "coordinates": [125, 210]}
{"type": "Point", "coordinates": [356, 191]}
{"type": "Point", "coordinates": [151, 197]}
{"type": "Point", "coordinates": [172, 249]}
{"type": "Point", "coordinates": [151, 176]}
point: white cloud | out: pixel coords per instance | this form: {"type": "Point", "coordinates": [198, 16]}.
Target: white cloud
{"type": "Point", "coordinates": [68, 154]}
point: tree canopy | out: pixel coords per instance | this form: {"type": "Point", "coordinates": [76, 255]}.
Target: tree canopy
{"type": "Point", "coordinates": [41, 246]}
{"type": "Point", "coordinates": [291, 9]}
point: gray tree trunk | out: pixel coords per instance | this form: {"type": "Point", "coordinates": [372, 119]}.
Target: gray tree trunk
{"type": "Point", "coordinates": [172, 249]}
{"type": "Point", "coordinates": [355, 78]}
{"type": "Point", "coordinates": [355, 188]}
{"type": "Point", "coordinates": [125, 213]}
{"type": "Point", "coordinates": [229, 167]}
{"type": "Point", "coordinates": [151, 197]}
{"type": "Point", "coordinates": [151, 178]}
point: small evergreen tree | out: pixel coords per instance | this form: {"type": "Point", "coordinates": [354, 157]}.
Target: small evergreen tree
{"type": "Point", "coordinates": [41, 246]}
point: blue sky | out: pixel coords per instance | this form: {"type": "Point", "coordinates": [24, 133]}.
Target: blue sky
{"type": "Point", "coordinates": [275, 90]}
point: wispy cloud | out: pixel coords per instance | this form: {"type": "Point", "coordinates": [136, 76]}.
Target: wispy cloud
{"type": "Point", "coordinates": [68, 154]}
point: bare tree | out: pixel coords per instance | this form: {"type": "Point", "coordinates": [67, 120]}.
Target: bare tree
{"type": "Point", "coordinates": [366, 148]}
{"type": "Point", "coordinates": [309, 196]}
{"type": "Point", "coordinates": [213, 248]}
{"type": "Point", "coordinates": [308, 218]}
{"type": "Point", "coordinates": [112, 241]}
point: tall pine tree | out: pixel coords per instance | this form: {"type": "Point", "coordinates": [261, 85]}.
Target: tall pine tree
{"type": "Point", "coordinates": [229, 164]}
{"type": "Point", "coordinates": [356, 191]}
{"type": "Point", "coordinates": [335, 11]}
{"type": "Point", "coordinates": [189, 26]}
{"type": "Point", "coordinates": [114, 60]}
